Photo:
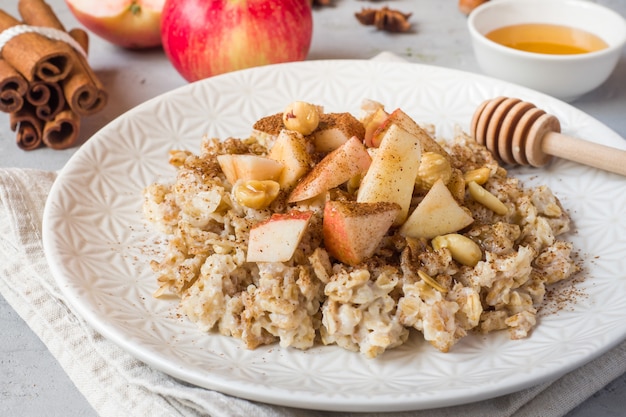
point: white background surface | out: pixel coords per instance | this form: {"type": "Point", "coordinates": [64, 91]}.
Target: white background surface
{"type": "Point", "coordinates": [31, 381]}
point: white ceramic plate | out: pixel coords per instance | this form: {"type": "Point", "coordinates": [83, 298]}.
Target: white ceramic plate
{"type": "Point", "coordinates": [99, 247]}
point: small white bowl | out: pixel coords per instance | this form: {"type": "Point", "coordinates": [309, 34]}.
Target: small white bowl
{"type": "Point", "coordinates": [566, 77]}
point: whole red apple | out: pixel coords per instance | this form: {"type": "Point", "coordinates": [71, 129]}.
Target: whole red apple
{"type": "Point", "coordinates": [203, 38]}
{"type": "Point", "coordinates": [127, 23]}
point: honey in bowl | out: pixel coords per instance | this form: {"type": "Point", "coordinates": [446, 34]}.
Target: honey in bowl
{"type": "Point", "coordinates": [545, 38]}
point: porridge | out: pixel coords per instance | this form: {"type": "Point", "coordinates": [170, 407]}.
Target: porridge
{"type": "Point", "coordinates": [330, 228]}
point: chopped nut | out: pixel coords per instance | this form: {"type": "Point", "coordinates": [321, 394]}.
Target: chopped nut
{"type": "Point", "coordinates": [256, 194]}
{"type": "Point", "coordinates": [487, 199]}
{"type": "Point", "coordinates": [431, 281]}
{"type": "Point", "coordinates": [478, 175]}
{"type": "Point", "coordinates": [433, 167]}
{"type": "Point", "coordinates": [301, 117]}
{"type": "Point", "coordinates": [463, 249]}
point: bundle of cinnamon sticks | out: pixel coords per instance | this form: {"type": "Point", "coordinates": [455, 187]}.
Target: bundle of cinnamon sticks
{"type": "Point", "coordinates": [46, 83]}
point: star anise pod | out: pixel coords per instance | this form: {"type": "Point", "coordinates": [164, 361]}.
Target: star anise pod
{"type": "Point", "coordinates": [389, 20]}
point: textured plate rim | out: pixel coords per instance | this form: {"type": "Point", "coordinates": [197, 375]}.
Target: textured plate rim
{"type": "Point", "coordinates": [276, 396]}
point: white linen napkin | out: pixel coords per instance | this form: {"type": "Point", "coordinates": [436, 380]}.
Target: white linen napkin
{"type": "Point", "coordinates": [116, 384]}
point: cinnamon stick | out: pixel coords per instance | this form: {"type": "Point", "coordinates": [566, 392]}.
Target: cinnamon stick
{"type": "Point", "coordinates": [81, 37]}
{"type": "Point", "coordinates": [62, 131]}
{"type": "Point", "coordinates": [28, 126]}
{"type": "Point", "coordinates": [13, 87]}
{"type": "Point", "coordinates": [35, 56]}
{"type": "Point", "coordinates": [38, 13]}
{"type": "Point", "coordinates": [82, 88]}
{"type": "Point", "coordinates": [47, 98]}
{"type": "Point", "coordinates": [45, 84]}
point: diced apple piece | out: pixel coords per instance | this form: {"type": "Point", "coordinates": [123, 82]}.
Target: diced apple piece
{"type": "Point", "coordinates": [352, 231]}
{"type": "Point", "coordinates": [372, 115]}
{"type": "Point", "coordinates": [249, 167]}
{"type": "Point", "coordinates": [400, 118]}
{"type": "Point", "coordinates": [369, 107]}
{"type": "Point", "coordinates": [266, 129]}
{"type": "Point", "coordinates": [334, 169]}
{"type": "Point", "coordinates": [391, 177]}
{"type": "Point", "coordinates": [335, 129]}
{"type": "Point", "coordinates": [437, 214]}
{"type": "Point", "coordinates": [291, 151]}
{"type": "Point", "coordinates": [372, 124]}
{"type": "Point", "coordinates": [276, 239]}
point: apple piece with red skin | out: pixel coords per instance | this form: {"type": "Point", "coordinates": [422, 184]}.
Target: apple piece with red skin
{"type": "Point", "coordinates": [372, 124]}
{"type": "Point", "coordinates": [203, 38]}
{"type": "Point", "coordinates": [335, 129]}
{"type": "Point", "coordinates": [249, 167]}
{"type": "Point", "coordinates": [277, 238]}
{"type": "Point", "coordinates": [334, 169]}
{"type": "Point", "coordinates": [327, 140]}
{"type": "Point", "coordinates": [391, 176]}
{"type": "Point", "coordinates": [403, 120]}
{"type": "Point", "coordinates": [290, 149]}
{"type": "Point", "coordinates": [352, 231]}
{"type": "Point", "coordinates": [132, 24]}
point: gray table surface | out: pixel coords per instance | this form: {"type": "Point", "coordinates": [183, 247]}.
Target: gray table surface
{"type": "Point", "coordinates": [32, 383]}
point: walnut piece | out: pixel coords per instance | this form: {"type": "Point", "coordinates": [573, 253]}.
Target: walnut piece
{"type": "Point", "coordinates": [386, 19]}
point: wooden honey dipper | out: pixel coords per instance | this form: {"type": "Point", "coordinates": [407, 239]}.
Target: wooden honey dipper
{"type": "Point", "coordinates": [517, 132]}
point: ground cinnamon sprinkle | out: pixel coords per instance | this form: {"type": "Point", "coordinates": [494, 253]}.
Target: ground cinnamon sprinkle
{"type": "Point", "coordinates": [563, 296]}
{"type": "Point", "coordinates": [270, 124]}
{"type": "Point", "coordinates": [345, 122]}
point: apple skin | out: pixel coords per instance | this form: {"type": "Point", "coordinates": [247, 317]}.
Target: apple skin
{"type": "Point", "coordinates": [132, 24]}
{"type": "Point", "coordinates": [403, 120]}
{"type": "Point", "coordinates": [203, 38]}
{"type": "Point", "coordinates": [391, 176]}
{"type": "Point", "coordinates": [290, 150]}
{"type": "Point", "coordinates": [352, 231]}
{"type": "Point", "coordinates": [337, 167]}
{"type": "Point", "coordinates": [277, 238]}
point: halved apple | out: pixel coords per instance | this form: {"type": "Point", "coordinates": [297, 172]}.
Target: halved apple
{"type": "Point", "coordinates": [127, 23]}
